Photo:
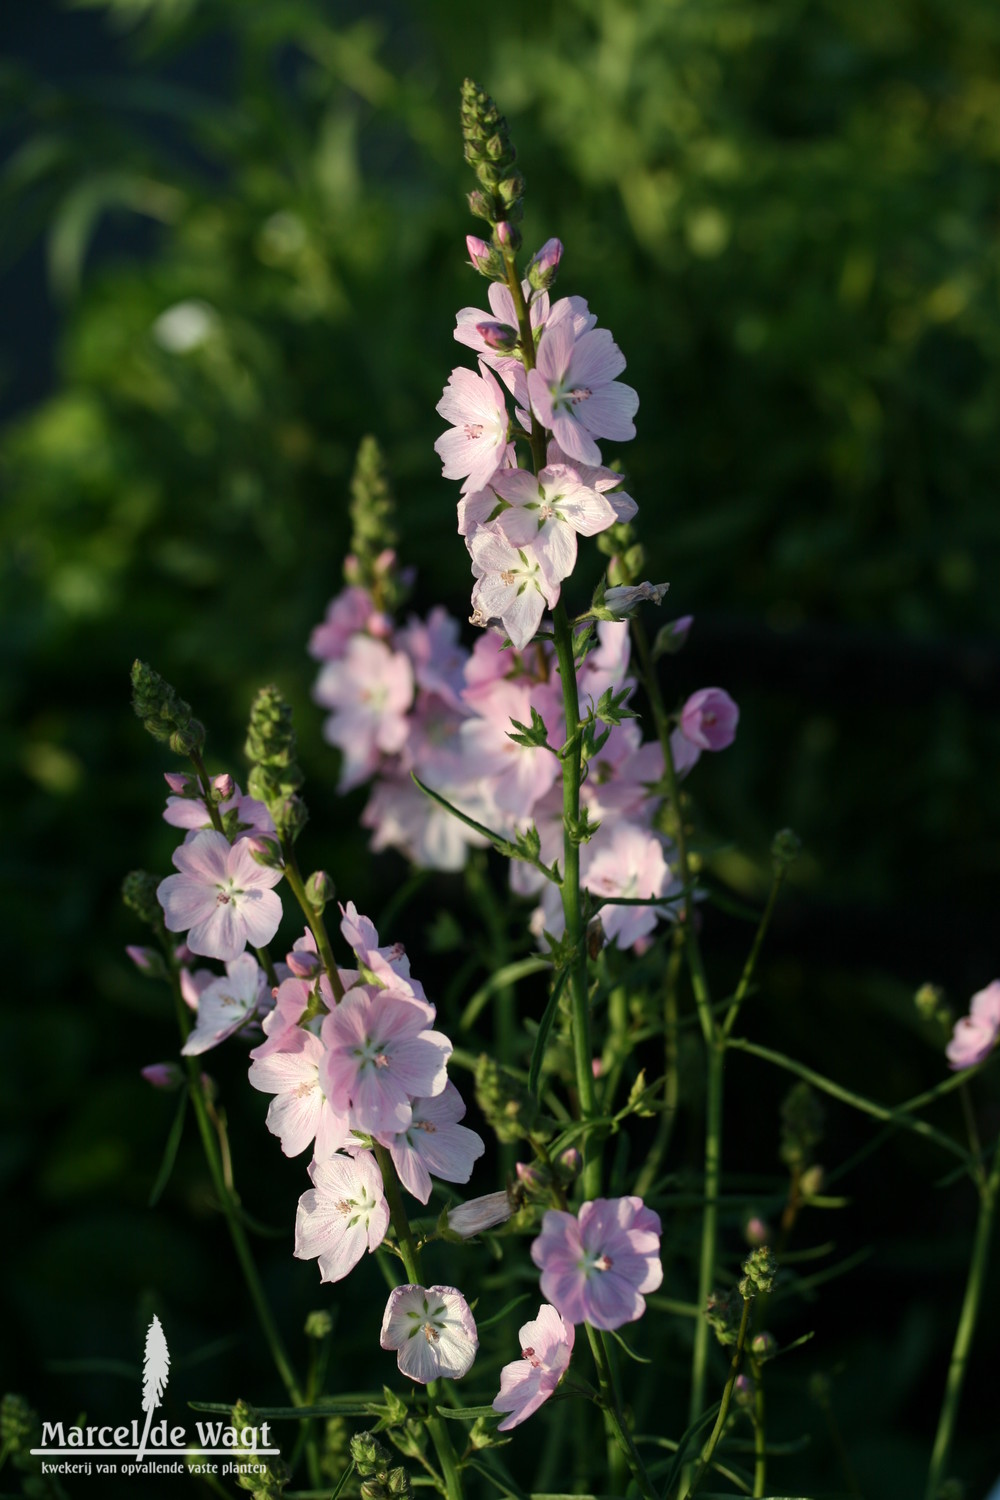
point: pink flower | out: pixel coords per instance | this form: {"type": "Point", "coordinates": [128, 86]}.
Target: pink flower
{"type": "Point", "coordinates": [596, 1265]}
{"type": "Point", "coordinates": [550, 511]}
{"type": "Point", "coordinates": [351, 613]}
{"type": "Point", "coordinates": [709, 719]}
{"type": "Point", "coordinates": [287, 1066]}
{"type": "Point", "coordinates": [546, 1347]}
{"type": "Point", "coordinates": [434, 1142]}
{"type": "Point", "coordinates": [227, 1004]}
{"type": "Point", "coordinates": [222, 895]}
{"type": "Point", "coordinates": [513, 584]}
{"type": "Point", "coordinates": [370, 690]}
{"type": "Point", "coordinates": [476, 444]}
{"type": "Point", "coordinates": [574, 391]}
{"type": "Point", "coordinates": [627, 862]}
{"type": "Point", "coordinates": [379, 1055]}
{"type": "Point", "coordinates": [166, 1075]}
{"type": "Point", "coordinates": [191, 812]}
{"type": "Point", "coordinates": [975, 1035]}
{"type": "Point", "coordinates": [433, 1330]}
{"type": "Point", "coordinates": [342, 1215]}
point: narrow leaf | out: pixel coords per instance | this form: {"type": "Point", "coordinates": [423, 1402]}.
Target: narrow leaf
{"type": "Point", "coordinates": [169, 1151]}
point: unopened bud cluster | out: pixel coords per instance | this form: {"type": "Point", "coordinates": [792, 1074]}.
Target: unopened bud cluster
{"type": "Point", "coordinates": [139, 895]}
{"type": "Point", "coordinates": [505, 1101]}
{"type": "Point", "coordinates": [759, 1271]}
{"type": "Point", "coordinates": [275, 777]}
{"type": "Point", "coordinates": [267, 1476]}
{"type": "Point", "coordinates": [167, 717]}
{"type": "Point", "coordinates": [379, 1479]}
{"type": "Point", "coordinates": [490, 152]}
{"type": "Point", "coordinates": [801, 1126]}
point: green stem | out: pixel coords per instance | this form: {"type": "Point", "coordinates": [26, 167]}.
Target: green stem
{"type": "Point", "coordinates": [572, 902]}
{"type": "Point", "coordinates": [436, 1425]}
{"type": "Point", "coordinates": [727, 1396]}
{"type": "Point", "coordinates": [968, 1319]}
{"type": "Point", "coordinates": [750, 966]}
{"type": "Point", "coordinates": [715, 1064]}
{"type": "Point", "coordinates": [505, 997]}
{"type": "Point", "coordinates": [759, 1432]}
{"type": "Point", "coordinates": [315, 919]}
{"type": "Point", "coordinates": [613, 1413]}
{"type": "Point", "coordinates": [671, 1081]}
{"type": "Point", "coordinates": [898, 1116]}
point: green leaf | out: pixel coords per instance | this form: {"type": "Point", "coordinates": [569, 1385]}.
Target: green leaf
{"type": "Point", "coordinates": [542, 1035]}
{"type": "Point", "coordinates": [482, 1323]}
{"type": "Point", "coordinates": [169, 1151]}
{"type": "Point", "coordinates": [466, 1413]}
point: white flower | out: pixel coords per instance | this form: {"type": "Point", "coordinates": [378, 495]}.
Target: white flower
{"type": "Point", "coordinates": [433, 1331]}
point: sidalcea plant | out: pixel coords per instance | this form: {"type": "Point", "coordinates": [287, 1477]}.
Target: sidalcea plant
{"type": "Point", "coordinates": [526, 743]}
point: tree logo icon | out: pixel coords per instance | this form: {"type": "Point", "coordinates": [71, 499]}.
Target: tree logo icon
{"type": "Point", "coordinates": [155, 1369]}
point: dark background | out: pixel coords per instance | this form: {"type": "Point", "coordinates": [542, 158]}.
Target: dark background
{"type": "Point", "coordinates": [788, 216]}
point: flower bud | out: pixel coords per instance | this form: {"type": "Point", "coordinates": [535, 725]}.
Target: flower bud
{"type": "Point", "coordinates": [811, 1181]}
{"type": "Point", "coordinates": [266, 851]}
{"type": "Point", "coordinates": [223, 787]}
{"type": "Point", "coordinates": [320, 889]}
{"type": "Point", "coordinates": [724, 1312]}
{"type": "Point", "coordinates": [672, 637]}
{"type": "Point", "coordinates": [499, 337]}
{"type": "Point", "coordinates": [744, 1390]}
{"type": "Point", "coordinates": [168, 1076]}
{"type": "Point", "coordinates": [763, 1346]}
{"type": "Point", "coordinates": [507, 237]}
{"type": "Point", "coordinates": [485, 259]}
{"type": "Point", "coordinates": [480, 206]}
{"type": "Point", "coordinates": [479, 1214]}
{"type": "Point", "coordinates": [569, 1165]}
{"type": "Point", "coordinates": [624, 599]}
{"type": "Point", "coordinates": [757, 1231]}
{"type": "Point", "coordinates": [319, 1325]}
{"type": "Point", "coordinates": [785, 848]}
{"type": "Point", "coordinates": [139, 895]}
{"type": "Point", "coordinates": [533, 1177]}
{"type": "Point", "coordinates": [544, 264]}
{"type": "Point", "coordinates": [182, 783]}
{"type": "Point", "coordinates": [302, 963]}
{"type": "Point", "coordinates": [147, 961]}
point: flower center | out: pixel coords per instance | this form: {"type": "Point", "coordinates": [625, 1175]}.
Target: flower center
{"type": "Point", "coordinates": [581, 393]}
{"type": "Point", "coordinates": [473, 430]}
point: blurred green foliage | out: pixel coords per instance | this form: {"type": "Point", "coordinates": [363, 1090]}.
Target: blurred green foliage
{"type": "Point", "coordinates": [788, 216]}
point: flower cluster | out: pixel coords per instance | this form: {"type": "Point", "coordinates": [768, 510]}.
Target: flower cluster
{"type": "Point", "coordinates": [450, 713]}
{"type": "Point", "coordinates": [520, 527]}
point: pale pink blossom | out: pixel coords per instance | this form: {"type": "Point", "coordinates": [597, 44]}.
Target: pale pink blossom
{"type": "Point", "coordinates": [403, 817]}
{"type": "Point", "coordinates": [574, 390]}
{"type": "Point", "coordinates": [546, 1348]}
{"type": "Point", "coordinates": [370, 690]}
{"type": "Point", "coordinates": [517, 775]}
{"type": "Point", "coordinates": [709, 719]}
{"type": "Point", "coordinates": [597, 477]}
{"type": "Point", "coordinates": [976, 1034]}
{"type": "Point", "coordinates": [469, 323]}
{"type": "Point", "coordinates": [683, 752]}
{"type": "Point", "coordinates": [342, 1215]}
{"type": "Point", "coordinates": [437, 654]}
{"type": "Point", "coordinates": [287, 1066]}
{"type": "Point", "coordinates": [222, 898]}
{"type": "Point", "coordinates": [351, 613]}
{"type": "Point", "coordinates": [434, 1143]}
{"type": "Point", "coordinates": [597, 1265]}
{"type": "Point", "coordinates": [227, 1004]}
{"type": "Point", "coordinates": [550, 510]}
{"type": "Point", "coordinates": [433, 1331]}
{"type": "Point", "coordinates": [513, 584]}
{"type": "Point", "coordinates": [475, 445]}
{"type": "Point", "coordinates": [628, 861]}
{"type": "Point", "coordinates": [379, 1055]}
